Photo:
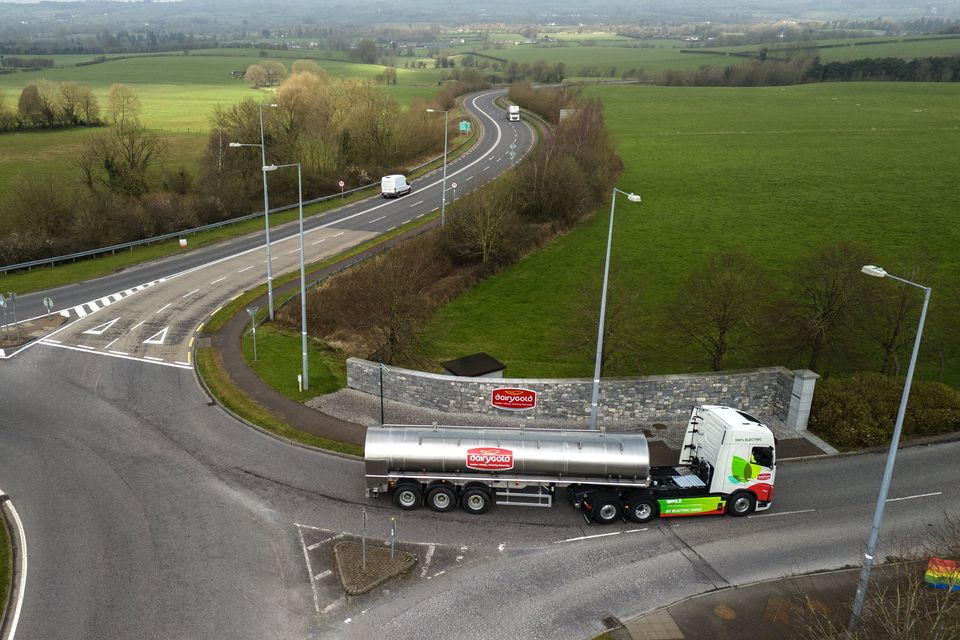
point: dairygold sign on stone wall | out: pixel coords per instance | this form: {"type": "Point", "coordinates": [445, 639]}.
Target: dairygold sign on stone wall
{"type": "Point", "coordinates": [513, 399]}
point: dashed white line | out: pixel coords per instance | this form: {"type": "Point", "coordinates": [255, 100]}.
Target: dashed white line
{"type": "Point", "coordinates": [152, 358]}
{"type": "Point", "coordinates": [52, 340]}
{"type": "Point", "coordinates": [392, 228]}
{"type": "Point", "coordinates": [274, 258]}
{"type": "Point", "coordinates": [119, 353]}
{"type": "Point", "coordinates": [420, 216]}
{"type": "Point", "coordinates": [161, 309]}
{"type": "Point", "coordinates": [317, 544]}
{"type": "Point", "coordinates": [306, 557]}
{"type": "Point", "coordinates": [920, 495]}
{"type": "Point", "coordinates": [142, 321]}
{"type": "Point", "coordinates": [333, 605]}
{"type": "Point", "coordinates": [188, 294]}
{"type": "Point", "coordinates": [111, 342]}
{"type": "Point", "coordinates": [426, 561]}
{"type": "Point", "coordinates": [377, 219]}
{"type": "Point", "coordinates": [470, 177]}
{"type": "Point", "coordinates": [219, 280]}
{"type": "Point", "coordinates": [318, 241]}
{"type": "Point", "coordinates": [294, 251]}
{"type": "Point", "coordinates": [245, 269]}
{"type": "Point", "coordinates": [780, 513]}
{"type": "Point", "coordinates": [186, 364]}
{"type": "Point", "coordinates": [321, 576]}
{"type": "Point", "coordinates": [599, 535]}
{"type": "Point", "coordinates": [415, 204]}
{"type": "Point", "coordinates": [337, 235]}
{"type": "Point", "coordinates": [83, 346]}
{"type": "Point", "coordinates": [486, 167]}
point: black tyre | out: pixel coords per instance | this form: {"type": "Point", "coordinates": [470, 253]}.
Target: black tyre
{"type": "Point", "coordinates": [642, 510]}
{"type": "Point", "coordinates": [741, 504]}
{"type": "Point", "coordinates": [606, 509]}
{"type": "Point", "coordinates": [476, 500]}
{"type": "Point", "coordinates": [407, 496]}
{"type": "Point", "coordinates": [441, 498]}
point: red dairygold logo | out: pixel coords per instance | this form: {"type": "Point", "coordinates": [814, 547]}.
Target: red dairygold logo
{"type": "Point", "coordinates": [489, 459]}
{"type": "Point", "coordinates": [514, 399]}
{"type": "Point", "coordinates": [763, 476]}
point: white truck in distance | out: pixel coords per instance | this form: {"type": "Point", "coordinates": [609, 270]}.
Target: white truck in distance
{"type": "Point", "coordinates": [513, 113]}
{"type": "Point", "coordinates": [727, 465]}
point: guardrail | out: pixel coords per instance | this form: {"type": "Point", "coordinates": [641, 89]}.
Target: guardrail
{"type": "Point", "coordinates": [90, 253]}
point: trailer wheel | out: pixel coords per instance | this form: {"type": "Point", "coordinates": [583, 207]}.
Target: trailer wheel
{"type": "Point", "coordinates": [741, 504]}
{"type": "Point", "coordinates": [407, 496]}
{"type": "Point", "coordinates": [441, 498]}
{"type": "Point", "coordinates": [476, 500]}
{"type": "Point", "coordinates": [642, 510]}
{"type": "Point", "coordinates": [607, 509]}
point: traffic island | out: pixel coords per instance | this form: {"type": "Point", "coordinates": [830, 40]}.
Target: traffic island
{"type": "Point", "coordinates": [380, 567]}
{"type": "Point", "coordinates": [17, 335]}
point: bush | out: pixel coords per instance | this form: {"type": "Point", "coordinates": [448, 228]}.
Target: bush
{"type": "Point", "coordinates": [860, 411]}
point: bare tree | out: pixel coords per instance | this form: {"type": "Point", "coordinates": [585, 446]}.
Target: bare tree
{"type": "Point", "coordinates": [121, 159]}
{"type": "Point", "coordinates": [256, 76]}
{"type": "Point", "coordinates": [477, 227]}
{"type": "Point", "coordinates": [827, 287]}
{"type": "Point", "coordinates": [717, 306]}
{"type": "Point", "coordinates": [307, 66]}
{"type": "Point", "coordinates": [887, 315]}
{"type": "Point", "coordinates": [123, 105]}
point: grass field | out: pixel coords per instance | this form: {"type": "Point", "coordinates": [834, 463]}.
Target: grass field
{"type": "Point", "coordinates": [776, 172]}
{"type": "Point", "coordinates": [623, 58]}
{"type": "Point", "coordinates": [857, 48]}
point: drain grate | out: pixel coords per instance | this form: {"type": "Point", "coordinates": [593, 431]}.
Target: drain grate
{"type": "Point", "coordinates": [611, 622]}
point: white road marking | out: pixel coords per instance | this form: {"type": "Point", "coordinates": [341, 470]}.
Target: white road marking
{"type": "Point", "coordinates": [83, 346]}
{"type": "Point", "coordinates": [377, 219]}
{"type": "Point", "coordinates": [274, 258]}
{"type": "Point", "coordinates": [22, 545]}
{"type": "Point", "coordinates": [100, 328]}
{"type": "Point", "coordinates": [111, 342]}
{"type": "Point", "coordinates": [392, 228]}
{"type": "Point", "coordinates": [337, 235]}
{"type": "Point", "coordinates": [105, 300]}
{"type": "Point", "coordinates": [164, 307]}
{"type": "Point", "coordinates": [921, 495]}
{"type": "Point", "coordinates": [245, 269]}
{"type": "Point", "coordinates": [420, 216]}
{"type": "Point", "coordinates": [152, 358]}
{"type": "Point", "coordinates": [158, 337]}
{"type": "Point", "coordinates": [318, 241]}
{"type": "Point", "coordinates": [780, 513]}
{"type": "Point", "coordinates": [219, 280]}
{"type": "Point", "coordinates": [306, 557]}
{"type": "Point", "coordinates": [599, 535]}
{"type": "Point", "coordinates": [333, 605]}
{"type": "Point", "coordinates": [187, 294]}
{"type": "Point", "coordinates": [501, 546]}
{"type": "Point", "coordinates": [52, 340]}
{"type": "Point", "coordinates": [470, 177]}
{"type": "Point", "coordinates": [438, 574]}
{"type": "Point", "coordinates": [294, 251]}
{"type": "Point", "coordinates": [137, 325]}
{"type": "Point", "coordinates": [426, 561]}
{"type": "Point", "coordinates": [113, 354]}
{"type": "Point", "coordinates": [415, 204]}
{"type": "Point", "coordinates": [182, 362]}
{"type": "Point", "coordinates": [321, 576]}
{"type": "Point", "coordinates": [486, 167]}
{"type": "Point", "coordinates": [317, 544]}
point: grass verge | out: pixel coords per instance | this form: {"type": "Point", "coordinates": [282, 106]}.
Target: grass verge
{"type": "Point", "coordinates": [278, 362]}
{"type": "Point", "coordinates": [210, 369]}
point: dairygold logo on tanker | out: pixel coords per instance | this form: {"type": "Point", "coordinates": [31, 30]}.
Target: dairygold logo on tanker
{"type": "Point", "coordinates": [514, 399]}
{"type": "Point", "coordinates": [489, 459]}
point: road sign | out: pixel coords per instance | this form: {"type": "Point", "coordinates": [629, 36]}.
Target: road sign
{"type": "Point", "coordinates": [3, 303]}
{"type": "Point", "coordinates": [48, 303]}
{"type": "Point", "coordinates": [464, 126]}
{"type": "Point", "coordinates": [453, 185]}
{"type": "Point", "coordinates": [342, 184]}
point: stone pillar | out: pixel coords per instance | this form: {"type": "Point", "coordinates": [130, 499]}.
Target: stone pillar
{"type": "Point", "coordinates": [801, 397]}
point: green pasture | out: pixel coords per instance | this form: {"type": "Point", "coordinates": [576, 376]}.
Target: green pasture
{"type": "Point", "coordinates": [775, 172]}
{"type": "Point", "coordinates": [858, 48]}
{"type": "Point", "coordinates": [604, 57]}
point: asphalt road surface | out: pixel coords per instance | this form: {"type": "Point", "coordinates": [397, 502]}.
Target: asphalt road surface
{"type": "Point", "coordinates": [151, 513]}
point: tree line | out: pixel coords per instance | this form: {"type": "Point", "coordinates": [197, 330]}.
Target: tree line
{"type": "Point", "coordinates": [378, 308]}
{"type": "Point", "coordinates": [122, 188]}
{"type": "Point", "coordinates": [47, 105]}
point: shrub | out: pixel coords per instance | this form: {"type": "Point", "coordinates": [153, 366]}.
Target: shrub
{"type": "Point", "coordinates": [860, 411]}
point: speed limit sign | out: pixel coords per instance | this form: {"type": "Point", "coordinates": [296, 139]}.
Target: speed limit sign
{"type": "Point", "coordinates": [341, 184]}
{"type": "Point", "coordinates": [453, 185]}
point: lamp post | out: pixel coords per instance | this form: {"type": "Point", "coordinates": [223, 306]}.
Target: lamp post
{"type": "Point", "coordinates": [632, 197]}
{"type": "Point", "coordinates": [869, 554]}
{"type": "Point", "coordinates": [443, 192]}
{"type": "Point", "coordinates": [303, 276]}
{"type": "Point", "coordinates": [266, 207]}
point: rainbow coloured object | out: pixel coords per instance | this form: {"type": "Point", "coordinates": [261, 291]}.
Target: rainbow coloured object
{"type": "Point", "coordinates": [943, 574]}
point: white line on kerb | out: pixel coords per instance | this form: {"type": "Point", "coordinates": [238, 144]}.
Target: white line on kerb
{"type": "Point", "coordinates": [922, 495]}
{"type": "Point", "coordinates": [599, 535]}
{"type": "Point", "coordinates": [781, 513]}
{"type": "Point", "coordinates": [22, 543]}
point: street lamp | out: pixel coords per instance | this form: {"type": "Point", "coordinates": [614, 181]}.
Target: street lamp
{"type": "Point", "coordinates": [868, 555]}
{"type": "Point", "coordinates": [266, 207]}
{"type": "Point", "coordinates": [632, 197]}
{"type": "Point", "coordinates": [443, 193]}
{"type": "Point", "coordinates": [303, 277]}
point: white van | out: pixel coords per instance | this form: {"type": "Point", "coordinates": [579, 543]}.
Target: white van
{"type": "Point", "coordinates": [394, 186]}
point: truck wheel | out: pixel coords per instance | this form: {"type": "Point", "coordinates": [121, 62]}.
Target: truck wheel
{"type": "Point", "coordinates": [642, 510]}
{"type": "Point", "coordinates": [407, 496]}
{"type": "Point", "coordinates": [741, 504]}
{"type": "Point", "coordinates": [607, 509]}
{"type": "Point", "coordinates": [441, 498]}
{"type": "Point", "coordinates": [476, 500]}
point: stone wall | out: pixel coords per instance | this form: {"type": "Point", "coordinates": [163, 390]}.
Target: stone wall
{"type": "Point", "coordinates": [623, 403]}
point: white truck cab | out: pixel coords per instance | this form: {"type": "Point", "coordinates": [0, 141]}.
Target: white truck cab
{"type": "Point", "coordinates": [513, 113]}
{"type": "Point", "coordinates": [394, 186]}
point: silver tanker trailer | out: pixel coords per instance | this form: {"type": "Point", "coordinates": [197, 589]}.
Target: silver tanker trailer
{"type": "Point", "coordinates": [727, 465]}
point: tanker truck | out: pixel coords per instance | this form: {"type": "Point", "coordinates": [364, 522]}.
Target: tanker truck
{"type": "Point", "coordinates": [727, 465]}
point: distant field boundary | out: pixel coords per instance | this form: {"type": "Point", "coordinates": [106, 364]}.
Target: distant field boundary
{"type": "Point", "coordinates": [838, 45]}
